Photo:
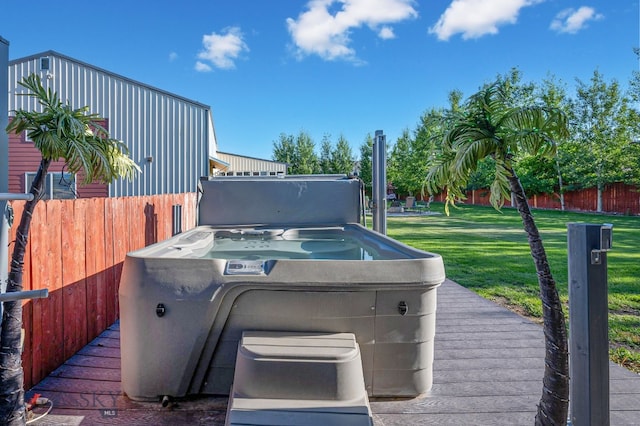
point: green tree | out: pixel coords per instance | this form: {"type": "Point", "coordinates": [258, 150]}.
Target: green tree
{"type": "Point", "coordinates": [342, 157]}
{"type": "Point", "coordinates": [399, 165]}
{"type": "Point", "coordinates": [517, 92]}
{"type": "Point", "coordinates": [553, 94]}
{"type": "Point", "coordinates": [58, 132]}
{"type": "Point", "coordinates": [305, 160]}
{"type": "Point", "coordinates": [489, 126]}
{"type": "Point", "coordinates": [298, 152]}
{"type": "Point", "coordinates": [366, 166]}
{"type": "Point", "coordinates": [602, 144]}
{"type": "Point", "coordinates": [284, 149]}
{"type": "Point", "coordinates": [428, 136]}
{"type": "Point", "coordinates": [634, 82]}
{"type": "Point", "coordinates": [325, 155]}
{"type": "Point", "coordinates": [538, 174]}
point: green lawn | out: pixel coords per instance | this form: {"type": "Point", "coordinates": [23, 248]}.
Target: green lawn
{"type": "Point", "coordinates": [487, 251]}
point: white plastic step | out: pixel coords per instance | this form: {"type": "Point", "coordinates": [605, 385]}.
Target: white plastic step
{"type": "Point", "coordinates": [298, 379]}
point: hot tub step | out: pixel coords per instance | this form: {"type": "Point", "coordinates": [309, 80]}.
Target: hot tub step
{"type": "Point", "coordinates": [286, 378]}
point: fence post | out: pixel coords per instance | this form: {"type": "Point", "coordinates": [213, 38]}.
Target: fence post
{"type": "Point", "coordinates": [588, 323]}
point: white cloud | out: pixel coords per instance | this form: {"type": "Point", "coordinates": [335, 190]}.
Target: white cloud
{"type": "Point", "coordinates": [386, 33]}
{"type": "Point", "coordinates": [476, 18]}
{"type": "Point", "coordinates": [202, 67]}
{"type": "Point", "coordinates": [173, 56]}
{"type": "Point", "coordinates": [222, 49]}
{"type": "Point", "coordinates": [320, 31]}
{"type": "Point", "coordinates": [571, 21]}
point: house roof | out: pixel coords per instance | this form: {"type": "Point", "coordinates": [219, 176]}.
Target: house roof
{"type": "Point", "coordinates": [120, 76]}
{"type": "Point", "coordinates": [251, 158]}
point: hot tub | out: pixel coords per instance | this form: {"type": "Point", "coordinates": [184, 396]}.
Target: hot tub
{"type": "Point", "coordinates": [275, 254]}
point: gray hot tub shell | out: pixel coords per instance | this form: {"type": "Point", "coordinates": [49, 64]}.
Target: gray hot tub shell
{"type": "Point", "coordinates": [183, 313]}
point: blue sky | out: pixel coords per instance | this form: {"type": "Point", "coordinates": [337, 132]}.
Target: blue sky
{"type": "Point", "coordinates": [336, 67]}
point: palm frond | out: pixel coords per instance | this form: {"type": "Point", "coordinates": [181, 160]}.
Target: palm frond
{"type": "Point", "coordinates": [489, 126]}
{"type": "Point", "coordinates": [61, 132]}
{"type": "Point", "coordinates": [500, 189]}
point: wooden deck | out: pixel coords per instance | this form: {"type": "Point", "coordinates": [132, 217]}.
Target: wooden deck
{"type": "Point", "coordinates": [488, 370]}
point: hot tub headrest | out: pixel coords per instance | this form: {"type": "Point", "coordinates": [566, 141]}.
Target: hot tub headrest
{"type": "Point", "coordinates": [279, 200]}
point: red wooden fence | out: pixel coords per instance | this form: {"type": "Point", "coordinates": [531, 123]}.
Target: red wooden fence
{"type": "Point", "coordinates": [76, 249]}
{"type": "Point", "coordinates": [616, 198]}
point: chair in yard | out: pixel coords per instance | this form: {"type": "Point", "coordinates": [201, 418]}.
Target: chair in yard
{"type": "Point", "coordinates": [410, 202]}
{"type": "Point", "coordinates": [424, 206]}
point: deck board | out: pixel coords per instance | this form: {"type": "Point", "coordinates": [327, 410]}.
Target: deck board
{"type": "Point", "coordinates": [488, 368]}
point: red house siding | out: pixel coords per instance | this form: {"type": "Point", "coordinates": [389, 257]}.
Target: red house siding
{"type": "Point", "coordinates": [25, 158]}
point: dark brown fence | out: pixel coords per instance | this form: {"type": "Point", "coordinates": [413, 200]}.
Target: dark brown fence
{"type": "Point", "coordinates": [76, 249]}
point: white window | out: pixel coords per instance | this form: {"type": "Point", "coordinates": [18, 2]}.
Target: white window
{"type": "Point", "coordinates": [57, 185]}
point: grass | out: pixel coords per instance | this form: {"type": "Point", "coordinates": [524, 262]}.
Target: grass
{"type": "Point", "coordinates": [487, 251]}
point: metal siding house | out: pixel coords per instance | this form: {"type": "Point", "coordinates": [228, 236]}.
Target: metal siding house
{"type": "Point", "coordinates": [240, 165]}
{"type": "Point", "coordinates": [171, 138]}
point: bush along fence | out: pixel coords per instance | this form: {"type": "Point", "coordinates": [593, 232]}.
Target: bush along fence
{"type": "Point", "coordinates": [617, 198]}
{"type": "Point", "coordinates": [75, 250]}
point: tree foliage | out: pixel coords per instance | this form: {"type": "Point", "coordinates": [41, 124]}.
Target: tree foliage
{"type": "Point", "coordinates": [342, 157]}
{"type": "Point", "coordinates": [603, 145]}
{"type": "Point", "coordinates": [366, 164]}
{"type": "Point", "coordinates": [325, 155]}
{"type": "Point", "coordinates": [284, 149]}
{"type": "Point", "coordinates": [601, 149]}
{"type": "Point", "coordinates": [299, 153]}
{"type": "Point", "coordinates": [305, 160]}
{"type": "Point", "coordinates": [399, 165]}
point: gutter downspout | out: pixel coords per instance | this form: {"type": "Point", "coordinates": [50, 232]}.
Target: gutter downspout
{"type": "Point", "coordinates": [4, 163]}
{"type": "Point", "coordinates": [379, 178]}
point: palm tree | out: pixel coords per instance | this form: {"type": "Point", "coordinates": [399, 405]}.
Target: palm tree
{"type": "Point", "coordinates": [489, 127]}
{"type": "Point", "coordinates": [58, 132]}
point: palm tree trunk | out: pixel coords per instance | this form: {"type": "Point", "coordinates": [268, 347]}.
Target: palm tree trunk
{"type": "Point", "coordinates": [554, 403]}
{"type": "Point", "coordinates": [12, 407]}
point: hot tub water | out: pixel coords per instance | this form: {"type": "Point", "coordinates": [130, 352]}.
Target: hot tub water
{"type": "Point", "coordinates": [329, 244]}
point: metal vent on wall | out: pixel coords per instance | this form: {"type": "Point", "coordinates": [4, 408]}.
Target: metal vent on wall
{"type": "Point", "coordinates": [44, 63]}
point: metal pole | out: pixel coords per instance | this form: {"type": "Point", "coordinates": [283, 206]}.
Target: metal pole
{"type": "Point", "coordinates": [21, 295]}
{"type": "Point", "coordinates": [4, 163]}
{"type": "Point", "coordinates": [379, 183]}
{"type": "Point", "coordinates": [588, 323]}
{"type": "Point", "coordinates": [6, 196]}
